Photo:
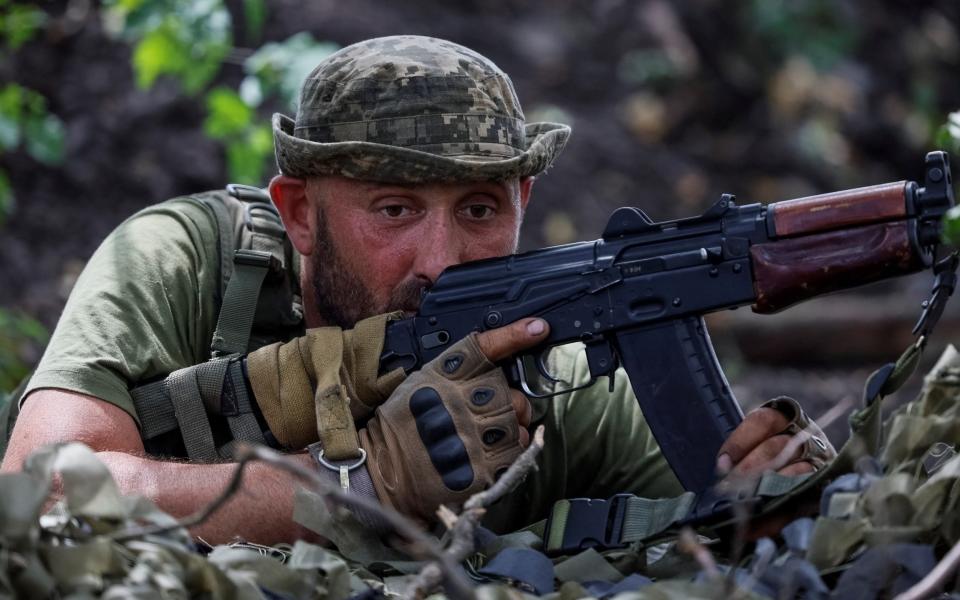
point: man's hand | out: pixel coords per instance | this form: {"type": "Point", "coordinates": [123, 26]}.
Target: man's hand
{"type": "Point", "coordinates": [760, 443]}
{"type": "Point", "coordinates": [450, 429]}
{"type": "Point", "coordinates": [779, 437]}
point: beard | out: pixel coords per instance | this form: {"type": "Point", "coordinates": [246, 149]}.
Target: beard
{"type": "Point", "coordinates": [341, 296]}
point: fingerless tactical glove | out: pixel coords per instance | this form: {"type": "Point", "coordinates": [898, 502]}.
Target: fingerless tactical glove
{"type": "Point", "coordinates": [295, 382]}
{"type": "Point", "coordinates": [444, 434]}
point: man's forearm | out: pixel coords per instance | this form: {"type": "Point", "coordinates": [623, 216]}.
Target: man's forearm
{"type": "Point", "coordinates": [260, 512]}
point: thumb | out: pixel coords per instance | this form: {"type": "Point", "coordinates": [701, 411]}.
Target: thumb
{"type": "Point", "coordinates": [498, 344]}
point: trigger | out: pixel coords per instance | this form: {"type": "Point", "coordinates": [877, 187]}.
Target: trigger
{"type": "Point", "coordinates": [602, 360]}
{"type": "Point", "coordinates": [542, 368]}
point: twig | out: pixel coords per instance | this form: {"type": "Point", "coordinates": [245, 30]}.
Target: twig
{"type": "Point", "coordinates": [463, 527]}
{"type": "Point", "coordinates": [836, 411]}
{"type": "Point", "coordinates": [742, 486]}
{"type": "Point", "coordinates": [422, 545]}
{"type": "Point", "coordinates": [689, 543]}
{"type": "Point", "coordinates": [525, 463]}
{"type": "Point", "coordinates": [936, 578]}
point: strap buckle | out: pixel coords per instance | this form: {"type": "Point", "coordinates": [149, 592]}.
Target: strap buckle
{"type": "Point", "coordinates": [256, 258]}
{"type": "Point", "coordinates": [943, 287]}
{"type": "Point", "coordinates": [586, 523]}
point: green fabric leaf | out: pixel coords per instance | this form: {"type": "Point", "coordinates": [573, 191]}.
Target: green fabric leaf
{"type": "Point", "coordinates": [309, 557]}
{"type": "Point", "coordinates": [84, 566]}
{"type": "Point", "coordinates": [352, 540]}
{"type": "Point", "coordinates": [240, 564]}
{"type": "Point", "coordinates": [88, 487]}
{"type": "Point", "coordinates": [21, 498]}
{"type": "Point", "coordinates": [589, 565]}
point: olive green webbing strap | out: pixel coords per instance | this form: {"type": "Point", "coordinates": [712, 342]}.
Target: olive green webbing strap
{"type": "Point", "coordinates": [645, 518]}
{"type": "Point", "coordinates": [191, 416]}
{"type": "Point", "coordinates": [185, 398]}
{"type": "Point", "coordinates": [261, 251]}
{"type": "Point", "coordinates": [239, 307]}
{"type": "Point", "coordinates": [866, 424]}
{"type": "Point", "coordinates": [642, 518]}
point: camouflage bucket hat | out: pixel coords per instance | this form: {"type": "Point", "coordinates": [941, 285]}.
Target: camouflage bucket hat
{"type": "Point", "coordinates": [410, 109]}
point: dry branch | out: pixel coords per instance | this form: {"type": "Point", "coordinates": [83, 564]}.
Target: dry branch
{"type": "Point", "coordinates": [422, 545]}
{"type": "Point", "coordinates": [463, 527]}
{"type": "Point", "coordinates": [934, 581]}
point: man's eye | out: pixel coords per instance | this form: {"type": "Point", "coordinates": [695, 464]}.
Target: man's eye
{"type": "Point", "coordinates": [479, 211]}
{"type": "Point", "coordinates": [395, 210]}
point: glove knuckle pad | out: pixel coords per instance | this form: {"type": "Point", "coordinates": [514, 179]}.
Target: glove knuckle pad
{"type": "Point", "coordinates": [481, 396]}
{"type": "Point", "coordinates": [464, 360]}
{"type": "Point", "coordinates": [437, 431]}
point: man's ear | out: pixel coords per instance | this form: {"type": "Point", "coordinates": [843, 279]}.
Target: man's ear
{"type": "Point", "coordinates": [289, 195]}
{"type": "Point", "coordinates": [526, 188]}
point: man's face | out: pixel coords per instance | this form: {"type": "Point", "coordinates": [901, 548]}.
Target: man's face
{"type": "Point", "coordinates": [379, 246]}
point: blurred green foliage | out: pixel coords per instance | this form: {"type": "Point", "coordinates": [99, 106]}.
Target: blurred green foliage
{"type": "Point", "coordinates": [823, 31]}
{"type": "Point", "coordinates": [186, 39]}
{"type": "Point", "coordinates": [189, 40]}
{"type": "Point", "coordinates": [278, 68]}
{"type": "Point", "coordinates": [21, 337]}
{"type": "Point", "coordinates": [19, 23]}
{"type": "Point", "coordinates": [948, 138]}
{"type": "Point", "coordinates": [24, 119]}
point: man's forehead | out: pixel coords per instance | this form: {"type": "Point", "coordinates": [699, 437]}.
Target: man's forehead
{"type": "Point", "coordinates": [371, 186]}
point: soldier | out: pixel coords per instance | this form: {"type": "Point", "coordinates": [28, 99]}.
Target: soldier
{"type": "Point", "coordinates": [407, 155]}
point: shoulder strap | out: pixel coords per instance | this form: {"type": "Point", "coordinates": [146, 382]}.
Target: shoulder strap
{"type": "Point", "coordinates": [259, 251]}
{"type": "Point", "coordinates": [254, 254]}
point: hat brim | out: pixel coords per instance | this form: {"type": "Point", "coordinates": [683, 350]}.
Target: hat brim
{"type": "Point", "coordinates": [370, 161]}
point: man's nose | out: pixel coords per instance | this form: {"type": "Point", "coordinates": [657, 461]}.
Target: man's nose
{"type": "Point", "coordinates": [442, 247]}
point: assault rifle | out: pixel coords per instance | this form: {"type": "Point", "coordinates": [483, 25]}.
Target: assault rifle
{"type": "Point", "coordinates": [637, 296]}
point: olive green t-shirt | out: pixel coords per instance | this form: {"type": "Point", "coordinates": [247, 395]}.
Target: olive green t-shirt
{"type": "Point", "coordinates": [146, 305]}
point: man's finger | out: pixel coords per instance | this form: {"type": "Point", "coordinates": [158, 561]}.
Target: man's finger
{"type": "Point", "coordinates": [761, 458]}
{"type": "Point", "coordinates": [498, 344]}
{"type": "Point", "coordinates": [524, 437]}
{"type": "Point", "coordinates": [756, 427]}
{"type": "Point", "coordinates": [522, 407]}
{"type": "Point", "coordinates": [797, 468]}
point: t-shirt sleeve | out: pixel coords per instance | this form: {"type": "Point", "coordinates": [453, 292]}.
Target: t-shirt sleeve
{"type": "Point", "coordinates": [610, 448]}
{"type": "Point", "coordinates": [142, 308]}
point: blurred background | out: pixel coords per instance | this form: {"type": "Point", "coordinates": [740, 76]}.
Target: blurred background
{"type": "Point", "coordinates": [107, 107]}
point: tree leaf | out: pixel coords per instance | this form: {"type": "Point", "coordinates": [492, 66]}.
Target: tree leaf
{"type": "Point", "coordinates": [227, 114]}
{"type": "Point", "coordinates": [7, 200]}
{"type": "Point", "coordinates": [44, 138]}
{"type": "Point", "coordinates": [9, 132]}
{"type": "Point", "coordinates": [20, 24]}
{"type": "Point", "coordinates": [247, 157]}
{"type": "Point", "coordinates": [254, 13]}
{"type": "Point", "coordinates": [251, 91]}
{"type": "Point", "coordinates": [159, 53]}
{"type": "Point", "coordinates": [282, 66]}
{"type": "Point", "coordinates": [951, 226]}
{"type": "Point", "coordinates": [11, 101]}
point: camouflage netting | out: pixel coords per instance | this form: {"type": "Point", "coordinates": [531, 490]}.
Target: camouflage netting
{"type": "Point", "coordinates": [884, 523]}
